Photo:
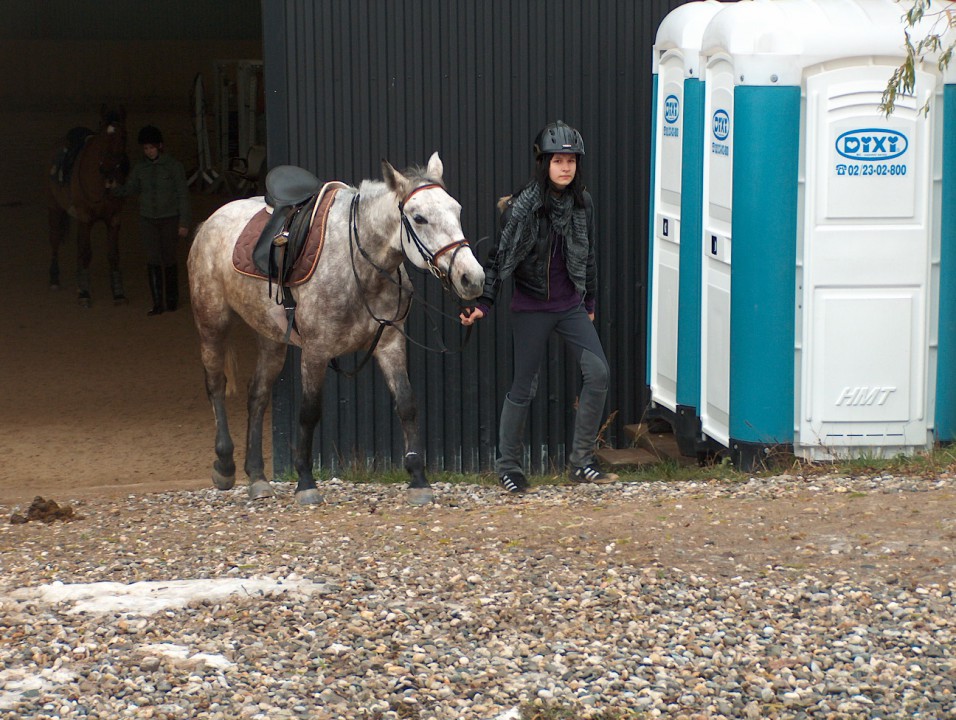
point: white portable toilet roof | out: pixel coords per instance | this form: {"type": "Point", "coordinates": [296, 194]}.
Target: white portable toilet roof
{"type": "Point", "coordinates": [772, 41]}
{"type": "Point", "coordinates": [683, 29]}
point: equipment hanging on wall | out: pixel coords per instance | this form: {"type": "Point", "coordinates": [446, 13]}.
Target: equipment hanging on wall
{"type": "Point", "coordinates": [205, 175]}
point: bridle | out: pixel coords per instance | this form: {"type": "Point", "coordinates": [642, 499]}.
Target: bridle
{"type": "Point", "coordinates": [430, 258]}
{"type": "Point", "coordinates": [110, 157]}
{"type": "Point", "coordinates": [114, 162]}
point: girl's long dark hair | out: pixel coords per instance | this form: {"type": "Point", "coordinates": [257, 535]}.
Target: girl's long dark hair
{"type": "Point", "coordinates": [542, 166]}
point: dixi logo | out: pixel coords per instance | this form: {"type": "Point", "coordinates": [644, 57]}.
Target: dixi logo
{"type": "Point", "coordinates": [721, 125]}
{"type": "Point", "coordinates": [671, 109]}
{"type": "Point", "coordinates": [871, 144]}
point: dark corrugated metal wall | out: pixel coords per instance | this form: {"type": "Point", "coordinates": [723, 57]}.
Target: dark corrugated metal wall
{"type": "Point", "coordinates": [349, 82]}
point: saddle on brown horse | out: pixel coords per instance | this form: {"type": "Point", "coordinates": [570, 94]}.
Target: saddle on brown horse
{"type": "Point", "coordinates": [65, 157]}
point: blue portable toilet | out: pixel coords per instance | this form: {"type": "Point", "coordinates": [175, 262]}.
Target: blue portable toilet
{"type": "Point", "coordinates": [824, 243]}
{"type": "Point", "coordinates": [673, 368]}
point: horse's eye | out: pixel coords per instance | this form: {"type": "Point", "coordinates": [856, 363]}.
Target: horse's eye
{"type": "Point", "coordinates": [420, 220]}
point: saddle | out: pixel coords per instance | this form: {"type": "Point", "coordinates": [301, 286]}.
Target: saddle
{"type": "Point", "coordinates": [283, 246]}
{"type": "Point", "coordinates": [66, 155]}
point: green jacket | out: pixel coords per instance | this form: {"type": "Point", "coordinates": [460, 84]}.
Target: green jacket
{"type": "Point", "coordinates": [161, 185]}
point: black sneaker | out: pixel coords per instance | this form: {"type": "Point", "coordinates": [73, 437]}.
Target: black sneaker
{"type": "Point", "coordinates": [514, 482]}
{"type": "Point", "coordinates": [590, 474]}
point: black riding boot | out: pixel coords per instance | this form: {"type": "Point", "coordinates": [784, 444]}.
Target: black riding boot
{"type": "Point", "coordinates": [156, 288]}
{"type": "Point", "coordinates": [172, 288]}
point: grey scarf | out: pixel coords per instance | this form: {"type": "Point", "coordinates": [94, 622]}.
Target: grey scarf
{"type": "Point", "coordinates": [521, 231]}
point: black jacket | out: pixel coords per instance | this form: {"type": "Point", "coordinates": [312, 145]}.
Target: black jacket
{"type": "Point", "coordinates": [531, 272]}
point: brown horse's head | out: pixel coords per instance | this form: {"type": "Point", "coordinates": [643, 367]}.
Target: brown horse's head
{"type": "Point", "coordinates": [114, 162]}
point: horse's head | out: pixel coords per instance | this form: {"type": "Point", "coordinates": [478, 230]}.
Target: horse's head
{"type": "Point", "coordinates": [432, 238]}
{"type": "Point", "coordinates": [114, 161]}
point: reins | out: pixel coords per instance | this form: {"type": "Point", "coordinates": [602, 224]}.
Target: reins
{"type": "Point", "coordinates": [399, 317]}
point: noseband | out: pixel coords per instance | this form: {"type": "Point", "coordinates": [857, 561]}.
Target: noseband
{"type": "Point", "coordinates": [430, 258]}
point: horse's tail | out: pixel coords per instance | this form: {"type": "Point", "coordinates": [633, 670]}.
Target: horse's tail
{"type": "Point", "coordinates": [231, 370]}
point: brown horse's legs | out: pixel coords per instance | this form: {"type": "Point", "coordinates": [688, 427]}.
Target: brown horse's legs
{"type": "Point", "coordinates": [268, 366]}
{"type": "Point", "coordinates": [112, 243]}
{"type": "Point", "coordinates": [84, 255]}
{"type": "Point", "coordinates": [59, 225]}
{"type": "Point", "coordinates": [113, 257]}
{"type": "Point", "coordinates": [391, 358]}
{"type": "Point", "coordinates": [313, 376]}
{"type": "Point", "coordinates": [84, 245]}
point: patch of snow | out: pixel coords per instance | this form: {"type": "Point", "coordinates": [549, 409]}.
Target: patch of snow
{"type": "Point", "coordinates": [150, 597]}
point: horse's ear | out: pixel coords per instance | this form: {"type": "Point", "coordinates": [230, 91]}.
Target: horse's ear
{"type": "Point", "coordinates": [435, 167]}
{"type": "Point", "coordinates": [393, 178]}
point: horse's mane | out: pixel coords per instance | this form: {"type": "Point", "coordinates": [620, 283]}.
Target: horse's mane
{"type": "Point", "coordinates": [416, 174]}
{"type": "Point", "coordinates": [419, 175]}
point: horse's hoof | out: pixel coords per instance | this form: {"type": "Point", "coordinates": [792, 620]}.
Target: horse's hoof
{"type": "Point", "coordinates": [222, 482]}
{"type": "Point", "coordinates": [54, 285]}
{"type": "Point", "coordinates": [84, 300]}
{"type": "Point", "coordinates": [309, 497]}
{"type": "Point", "coordinates": [420, 496]}
{"type": "Point", "coordinates": [260, 489]}
{"type": "Point", "coordinates": [121, 300]}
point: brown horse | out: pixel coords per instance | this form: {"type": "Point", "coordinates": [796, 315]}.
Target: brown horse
{"type": "Point", "coordinates": [84, 162]}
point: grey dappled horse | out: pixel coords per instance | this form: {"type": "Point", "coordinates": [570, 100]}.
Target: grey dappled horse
{"type": "Point", "coordinates": [358, 284]}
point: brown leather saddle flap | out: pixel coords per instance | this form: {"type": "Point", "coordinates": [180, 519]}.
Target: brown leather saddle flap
{"type": "Point", "coordinates": [308, 259]}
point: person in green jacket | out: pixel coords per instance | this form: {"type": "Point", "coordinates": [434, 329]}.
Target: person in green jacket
{"type": "Point", "coordinates": [160, 181]}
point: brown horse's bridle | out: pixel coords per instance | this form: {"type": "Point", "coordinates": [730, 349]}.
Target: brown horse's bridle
{"type": "Point", "coordinates": [114, 165]}
{"type": "Point", "coordinates": [430, 258]}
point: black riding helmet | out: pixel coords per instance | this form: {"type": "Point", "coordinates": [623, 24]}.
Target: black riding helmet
{"type": "Point", "coordinates": [557, 137]}
{"type": "Point", "coordinates": [150, 135]}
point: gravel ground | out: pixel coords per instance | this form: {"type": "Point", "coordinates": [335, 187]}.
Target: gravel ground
{"type": "Point", "coordinates": [784, 597]}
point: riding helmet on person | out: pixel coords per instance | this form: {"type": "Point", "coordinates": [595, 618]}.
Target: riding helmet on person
{"type": "Point", "coordinates": [150, 135]}
{"type": "Point", "coordinates": [558, 137]}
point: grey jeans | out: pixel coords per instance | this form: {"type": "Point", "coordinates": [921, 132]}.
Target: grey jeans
{"type": "Point", "coordinates": [532, 330]}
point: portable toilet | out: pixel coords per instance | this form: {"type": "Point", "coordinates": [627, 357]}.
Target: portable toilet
{"type": "Point", "coordinates": [821, 320]}
{"type": "Point", "coordinates": [673, 368]}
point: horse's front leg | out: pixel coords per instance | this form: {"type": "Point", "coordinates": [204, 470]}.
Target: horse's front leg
{"type": "Point", "coordinates": [391, 358]}
{"type": "Point", "coordinates": [59, 224]}
{"type": "Point", "coordinates": [113, 256]}
{"type": "Point", "coordinates": [268, 366]}
{"type": "Point", "coordinates": [84, 255]}
{"type": "Point", "coordinates": [313, 377]}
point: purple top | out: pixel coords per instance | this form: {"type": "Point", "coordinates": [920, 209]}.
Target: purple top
{"type": "Point", "coordinates": [562, 295]}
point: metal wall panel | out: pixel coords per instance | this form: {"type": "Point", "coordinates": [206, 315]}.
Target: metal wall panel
{"type": "Point", "coordinates": [130, 20]}
{"type": "Point", "coordinates": [349, 82]}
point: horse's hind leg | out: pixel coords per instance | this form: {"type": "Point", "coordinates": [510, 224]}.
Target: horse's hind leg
{"type": "Point", "coordinates": [268, 366]}
{"type": "Point", "coordinates": [213, 349]}
{"type": "Point", "coordinates": [391, 358]}
{"type": "Point", "coordinates": [313, 377]}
